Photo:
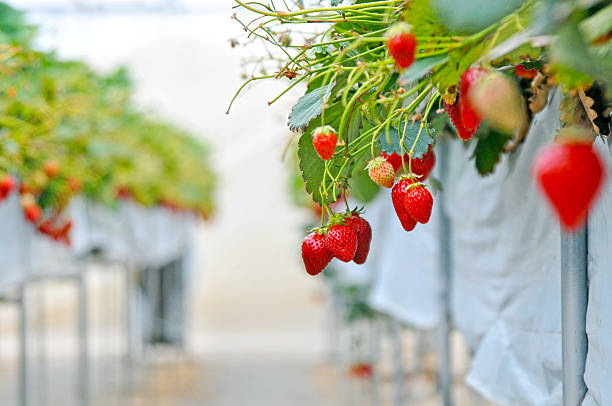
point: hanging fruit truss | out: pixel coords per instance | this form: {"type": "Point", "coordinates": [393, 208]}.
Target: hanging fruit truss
{"type": "Point", "coordinates": [383, 78]}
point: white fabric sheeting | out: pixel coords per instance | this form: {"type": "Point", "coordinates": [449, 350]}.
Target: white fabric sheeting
{"type": "Point", "coordinates": [506, 279]}
{"type": "Point", "coordinates": [138, 235]}
{"type": "Point", "coordinates": [408, 278]}
{"type": "Point", "coordinates": [598, 373]}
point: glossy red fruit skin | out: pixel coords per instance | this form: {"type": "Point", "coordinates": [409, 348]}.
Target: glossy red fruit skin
{"type": "Point", "coordinates": [570, 175]}
{"type": "Point", "coordinates": [341, 241]}
{"type": "Point", "coordinates": [418, 203]}
{"type": "Point", "coordinates": [453, 111]}
{"type": "Point", "coordinates": [325, 144]}
{"type": "Point", "coordinates": [469, 117]}
{"type": "Point", "coordinates": [398, 195]}
{"type": "Point", "coordinates": [402, 48]}
{"type": "Point", "coordinates": [394, 159]}
{"type": "Point", "coordinates": [424, 165]}
{"type": "Point", "coordinates": [7, 184]}
{"type": "Point", "coordinates": [363, 230]}
{"type": "Point", "coordinates": [32, 213]}
{"type": "Point", "coordinates": [46, 227]}
{"type": "Point", "coordinates": [315, 254]}
{"type": "Point", "coordinates": [525, 73]}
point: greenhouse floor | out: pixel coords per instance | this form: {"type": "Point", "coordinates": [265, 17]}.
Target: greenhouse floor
{"type": "Point", "coordinates": [171, 379]}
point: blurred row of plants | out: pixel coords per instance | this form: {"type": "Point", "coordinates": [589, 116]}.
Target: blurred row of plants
{"type": "Point", "coordinates": [65, 129]}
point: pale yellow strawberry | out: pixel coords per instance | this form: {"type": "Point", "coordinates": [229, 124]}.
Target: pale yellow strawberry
{"type": "Point", "coordinates": [381, 172]}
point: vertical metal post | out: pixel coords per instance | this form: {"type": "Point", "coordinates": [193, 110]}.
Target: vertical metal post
{"type": "Point", "coordinates": [40, 306]}
{"type": "Point", "coordinates": [133, 333]}
{"type": "Point", "coordinates": [574, 296]}
{"type": "Point", "coordinates": [445, 364]}
{"type": "Point", "coordinates": [374, 358]}
{"type": "Point", "coordinates": [398, 364]}
{"type": "Point", "coordinates": [83, 315]}
{"type": "Point", "coordinates": [23, 347]}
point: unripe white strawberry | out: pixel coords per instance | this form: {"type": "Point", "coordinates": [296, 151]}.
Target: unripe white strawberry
{"type": "Point", "coordinates": [381, 172]}
{"type": "Point", "coordinates": [498, 100]}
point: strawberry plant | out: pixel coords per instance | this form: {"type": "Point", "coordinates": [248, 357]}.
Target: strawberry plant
{"type": "Point", "coordinates": [388, 75]}
{"type": "Point", "coordinates": [66, 130]}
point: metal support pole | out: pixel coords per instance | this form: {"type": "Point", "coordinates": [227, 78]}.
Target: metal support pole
{"type": "Point", "coordinates": [133, 333]}
{"type": "Point", "coordinates": [398, 364]}
{"type": "Point", "coordinates": [40, 306]}
{"type": "Point", "coordinates": [23, 347]}
{"type": "Point", "coordinates": [445, 364]}
{"type": "Point", "coordinates": [574, 296]}
{"type": "Point", "coordinates": [83, 368]}
{"type": "Point", "coordinates": [375, 354]}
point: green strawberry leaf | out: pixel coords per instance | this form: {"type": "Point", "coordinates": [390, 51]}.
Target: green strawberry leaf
{"type": "Point", "coordinates": [421, 67]}
{"type": "Point", "coordinates": [362, 187]}
{"type": "Point", "coordinates": [473, 15]}
{"type": "Point", "coordinates": [308, 107]}
{"type": "Point", "coordinates": [389, 141]}
{"type": "Point", "coordinates": [424, 20]}
{"type": "Point", "coordinates": [488, 150]}
{"type": "Point", "coordinates": [437, 123]}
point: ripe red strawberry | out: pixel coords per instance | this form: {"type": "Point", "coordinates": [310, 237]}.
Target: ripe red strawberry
{"type": "Point", "coordinates": [314, 253]}
{"type": "Point", "coordinates": [423, 166]}
{"type": "Point", "coordinates": [341, 241]}
{"type": "Point", "coordinates": [381, 172]}
{"type": "Point", "coordinates": [418, 202]}
{"type": "Point", "coordinates": [46, 227]}
{"type": "Point", "coordinates": [570, 174]}
{"type": "Point", "coordinates": [7, 184]}
{"type": "Point", "coordinates": [453, 111]}
{"type": "Point", "coordinates": [364, 237]}
{"type": "Point", "coordinates": [51, 168]}
{"type": "Point", "coordinates": [524, 72]}
{"type": "Point", "coordinates": [398, 195]}
{"type": "Point", "coordinates": [324, 140]}
{"type": "Point", "coordinates": [394, 159]}
{"type": "Point", "coordinates": [32, 212]}
{"type": "Point", "coordinates": [469, 116]}
{"type": "Point", "coordinates": [402, 44]}
{"type": "Point", "coordinates": [361, 370]}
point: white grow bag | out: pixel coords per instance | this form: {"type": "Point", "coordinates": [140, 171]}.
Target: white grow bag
{"type": "Point", "coordinates": [506, 272]}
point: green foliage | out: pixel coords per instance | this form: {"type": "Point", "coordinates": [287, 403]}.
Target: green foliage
{"type": "Point", "coordinates": [423, 66]}
{"type": "Point", "coordinates": [470, 16]}
{"type": "Point", "coordinates": [414, 139]}
{"type": "Point", "coordinates": [424, 20]}
{"type": "Point", "coordinates": [308, 107]}
{"type": "Point", "coordinates": [373, 104]}
{"type": "Point", "coordinates": [65, 112]}
{"type": "Point", "coordinates": [489, 149]}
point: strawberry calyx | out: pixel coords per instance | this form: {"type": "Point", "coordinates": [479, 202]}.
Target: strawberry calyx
{"type": "Point", "coordinates": [399, 28]}
{"type": "Point", "coordinates": [376, 162]}
{"type": "Point", "coordinates": [416, 184]}
{"type": "Point", "coordinates": [337, 219]}
{"type": "Point", "coordinates": [326, 129]}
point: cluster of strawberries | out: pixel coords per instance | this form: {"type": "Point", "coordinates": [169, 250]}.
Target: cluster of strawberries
{"type": "Point", "coordinates": [54, 227]}
{"type": "Point", "coordinates": [346, 237]}
{"type": "Point", "coordinates": [411, 199]}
